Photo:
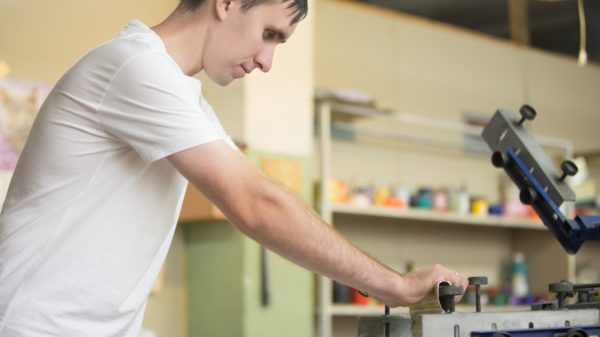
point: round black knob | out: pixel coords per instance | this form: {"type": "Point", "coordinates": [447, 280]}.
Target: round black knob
{"type": "Point", "coordinates": [527, 113]}
{"type": "Point", "coordinates": [478, 280]}
{"type": "Point", "coordinates": [563, 289]}
{"type": "Point", "coordinates": [499, 159]}
{"type": "Point", "coordinates": [568, 168]}
{"type": "Point", "coordinates": [528, 195]}
{"type": "Point", "coordinates": [574, 333]}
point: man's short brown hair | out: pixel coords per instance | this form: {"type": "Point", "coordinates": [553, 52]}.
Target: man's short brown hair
{"type": "Point", "coordinates": [300, 6]}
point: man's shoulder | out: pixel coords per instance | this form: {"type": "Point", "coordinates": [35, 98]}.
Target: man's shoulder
{"type": "Point", "coordinates": [138, 47]}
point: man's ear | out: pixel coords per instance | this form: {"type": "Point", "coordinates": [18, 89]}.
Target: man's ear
{"type": "Point", "coordinates": [223, 7]}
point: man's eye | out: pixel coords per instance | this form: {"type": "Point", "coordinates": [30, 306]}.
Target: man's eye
{"type": "Point", "coordinates": [269, 35]}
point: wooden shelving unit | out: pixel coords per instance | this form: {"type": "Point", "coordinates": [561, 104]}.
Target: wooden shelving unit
{"type": "Point", "coordinates": [471, 242]}
{"type": "Point", "coordinates": [439, 217]}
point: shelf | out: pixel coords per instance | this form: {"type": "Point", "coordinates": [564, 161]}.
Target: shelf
{"type": "Point", "coordinates": [438, 217]}
{"type": "Point", "coordinates": [356, 310]}
{"type": "Point", "coordinates": [365, 310]}
{"type": "Point", "coordinates": [346, 112]}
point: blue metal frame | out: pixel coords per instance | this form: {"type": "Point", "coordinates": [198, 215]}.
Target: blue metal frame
{"type": "Point", "coordinates": [570, 233]}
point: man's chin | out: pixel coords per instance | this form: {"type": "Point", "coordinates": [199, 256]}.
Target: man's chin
{"type": "Point", "coordinates": [224, 81]}
{"type": "Point", "coordinates": [221, 80]}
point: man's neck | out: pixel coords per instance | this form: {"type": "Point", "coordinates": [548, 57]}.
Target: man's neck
{"type": "Point", "coordinates": [183, 35]}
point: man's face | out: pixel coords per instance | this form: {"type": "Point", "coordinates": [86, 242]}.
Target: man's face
{"type": "Point", "coordinates": [245, 40]}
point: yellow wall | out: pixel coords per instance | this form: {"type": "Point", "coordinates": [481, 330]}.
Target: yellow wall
{"type": "Point", "coordinates": [40, 39]}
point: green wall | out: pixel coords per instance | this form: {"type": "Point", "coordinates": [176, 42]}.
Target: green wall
{"type": "Point", "coordinates": [225, 281]}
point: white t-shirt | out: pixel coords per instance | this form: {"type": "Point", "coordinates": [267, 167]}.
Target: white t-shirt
{"type": "Point", "coordinates": [93, 203]}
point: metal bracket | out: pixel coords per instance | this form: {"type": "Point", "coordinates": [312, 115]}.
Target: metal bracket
{"type": "Point", "coordinates": [518, 153]}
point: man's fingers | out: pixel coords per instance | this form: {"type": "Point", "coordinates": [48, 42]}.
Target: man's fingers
{"type": "Point", "coordinates": [458, 279]}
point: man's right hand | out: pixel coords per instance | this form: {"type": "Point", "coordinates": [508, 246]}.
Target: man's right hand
{"type": "Point", "coordinates": [416, 285]}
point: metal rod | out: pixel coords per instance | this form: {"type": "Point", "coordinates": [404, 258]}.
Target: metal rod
{"type": "Point", "coordinates": [477, 298]}
{"type": "Point", "coordinates": [325, 284]}
{"type": "Point", "coordinates": [386, 325]}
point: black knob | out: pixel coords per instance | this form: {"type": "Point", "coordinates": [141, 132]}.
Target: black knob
{"type": "Point", "coordinates": [528, 195]}
{"type": "Point", "coordinates": [568, 168]}
{"type": "Point", "coordinates": [447, 293]}
{"type": "Point", "coordinates": [573, 333]}
{"type": "Point", "coordinates": [527, 113]}
{"type": "Point", "coordinates": [563, 289]}
{"type": "Point", "coordinates": [499, 159]}
{"type": "Point", "coordinates": [477, 281]}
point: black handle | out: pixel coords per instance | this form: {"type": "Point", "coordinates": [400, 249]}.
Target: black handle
{"type": "Point", "coordinates": [563, 289]}
{"type": "Point", "coordinates": [527, 113]}
{"type": "Point", "coordinates": [446, 296]}
{"type": "Point", "coordinates": [478, 281]}
{"type": "Point", "coordinates": [568, 168]}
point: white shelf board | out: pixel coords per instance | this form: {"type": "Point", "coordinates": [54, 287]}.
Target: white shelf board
{"type": "Point", "coordinates": [439, 217]}
{"type": "Point", "coordinates": [364, 310]}
{"type": "Point", "coordinates": [357, 310]}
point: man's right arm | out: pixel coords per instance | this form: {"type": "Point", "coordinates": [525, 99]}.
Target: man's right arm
{"type": "Point", "coordinates": [282, 222]}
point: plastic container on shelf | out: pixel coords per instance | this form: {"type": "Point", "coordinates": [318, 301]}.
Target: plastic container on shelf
{"type": "Point", "coordinates": [479, 206]}
{"type": "Point", "coordinates": [519, 279]}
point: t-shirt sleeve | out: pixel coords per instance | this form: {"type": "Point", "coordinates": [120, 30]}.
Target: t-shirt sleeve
{"type": "Point", "coordinates": [210, 113]}
{"type": "Point", "coordinates": [153, 107]}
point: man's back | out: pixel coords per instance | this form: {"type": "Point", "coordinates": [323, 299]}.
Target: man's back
{"type": "Point", "coordinates": [93, 203]}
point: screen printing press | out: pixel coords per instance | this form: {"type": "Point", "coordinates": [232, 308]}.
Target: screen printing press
{"type": "Point", "coordinates": [516, 151]}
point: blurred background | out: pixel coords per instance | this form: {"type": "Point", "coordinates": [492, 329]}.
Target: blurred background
{"type": "Point", "coordinates": [401, 88]}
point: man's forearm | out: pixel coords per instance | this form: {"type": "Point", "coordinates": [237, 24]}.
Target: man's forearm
{"type": "Point", "coordinates": [287, 226]}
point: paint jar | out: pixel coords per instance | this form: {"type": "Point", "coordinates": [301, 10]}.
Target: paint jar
{"type": "Point", "coordinates": [341, 293]}
{"type": "Point", "coordinates": [363, 196]}
{"type": "Point", "coordinates": [382, 193]}
{"type": "Point", "coordinates": [440, 200]}
{"type": "Point", "coordinates": [358, 298]}
{"type": "Point", "coordinates": [424, 198]}
{"type": "Point", "coordinates": [479, 206]}
{"type": "Point", "coordinates": [338, 191]}
{"type": "Point", "coordinates": [459, 201]}
{"type": "Point", "coordinates": [399, 198]}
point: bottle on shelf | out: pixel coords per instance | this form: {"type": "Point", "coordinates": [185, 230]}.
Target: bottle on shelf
{"type": "Point", "coordinates": [519, 279]}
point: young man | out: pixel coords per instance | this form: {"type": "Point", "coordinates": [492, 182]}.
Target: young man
{"type": "Point", "coordinates": [94, 200]}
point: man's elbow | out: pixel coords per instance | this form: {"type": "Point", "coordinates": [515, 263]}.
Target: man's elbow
{"type": "Point", "coordinates": [258, 214]}
{"type": "Point", "coordinates": [247, 221]}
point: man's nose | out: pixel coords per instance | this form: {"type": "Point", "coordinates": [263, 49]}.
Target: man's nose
{"type": "Point", "coordinates": [264, 58]}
